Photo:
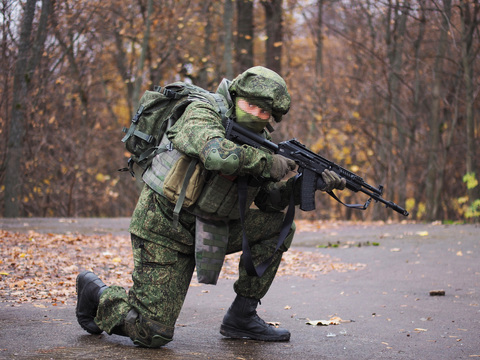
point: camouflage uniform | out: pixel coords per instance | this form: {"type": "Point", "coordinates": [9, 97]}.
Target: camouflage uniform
{"type": "Point", "coordinates": [164, 257]}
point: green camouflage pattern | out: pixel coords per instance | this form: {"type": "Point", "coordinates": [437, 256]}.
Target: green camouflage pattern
{"type": "Point", "coordinates": [161, 276]}
{"type": "Point", "coordinates": [199, 124]}
{"type": "Point", "coordinates": [164, 258]}
{"type": "Point", "coordinates": [146, 332]}
{"type": "Point", "coordinates": [263, 85]}
{"type": "Point", "coordinates": [211, 239]}
{"type": "Point", "coordinates": [222, 154]}
{"type": "Point", "coordinates": [155, 175]}
{"type": "Point", "coordinates": [220, 199]}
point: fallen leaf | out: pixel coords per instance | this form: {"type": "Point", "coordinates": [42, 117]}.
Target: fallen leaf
{"type": "Point", "coordinates": [318, 322]}
{"type": "Point", "coordinates": [422, 233]}
{"type": "Point", "coordinates": [50, 263]}
{"type": "Point", "coordinates": [420, 329]}
{"type": "Point", "coordinates": [274, 323]}
{"type": "Point", "coordinates": [333, 321]}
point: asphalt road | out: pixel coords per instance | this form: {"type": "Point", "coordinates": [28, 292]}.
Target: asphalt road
{"type": "Point", "coordinates": [387, 304]}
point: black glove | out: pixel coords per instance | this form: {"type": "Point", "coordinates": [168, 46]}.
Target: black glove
{"type": "Point", "coordinates": [281, 166]}
{"type": "Point", "coordinates": [331, 181]}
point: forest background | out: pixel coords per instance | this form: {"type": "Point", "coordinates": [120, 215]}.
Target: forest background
{"type": "Point", "coordinates": [388, 89]}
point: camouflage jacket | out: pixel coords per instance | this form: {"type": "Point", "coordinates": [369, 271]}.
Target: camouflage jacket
{"type": "Point", "coordinates": [152, 218]}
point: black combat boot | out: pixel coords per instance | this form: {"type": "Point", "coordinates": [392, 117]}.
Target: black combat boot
{"type": "Point", "coordinates": [89, 289]}
{"type": "Point", "coordinates": [242, 322]}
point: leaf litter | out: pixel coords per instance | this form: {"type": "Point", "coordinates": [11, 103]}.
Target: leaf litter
{"type": "Point", "coordinates": [38, 267]}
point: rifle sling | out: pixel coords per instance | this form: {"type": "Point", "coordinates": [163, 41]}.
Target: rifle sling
{"type": "Point", "coordinates": [351, 206]}
{"type": "Point", "coordinates": [259, 270]}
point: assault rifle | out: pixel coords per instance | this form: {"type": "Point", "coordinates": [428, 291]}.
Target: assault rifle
{"type": "Point", "coordinates": [311, 166]}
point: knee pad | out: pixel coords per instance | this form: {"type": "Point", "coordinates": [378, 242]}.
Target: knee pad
{"type": "Point", "coordinates": [146, 332]}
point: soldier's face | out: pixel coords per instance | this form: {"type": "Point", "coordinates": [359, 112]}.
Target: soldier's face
{"type": "Point", "coordinates": [254, 110]}
{"type": "Point", "coordinates": [251, 116]}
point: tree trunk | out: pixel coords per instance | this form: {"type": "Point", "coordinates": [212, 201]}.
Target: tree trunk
{"type": "Point", "coordinates": [432, 188]}
{"type": "Point", "coordinates": [203, 80]}
{"type": "Point", "coordinates": [244, 54]}
{"type": "Point", "coordinates": [143, 56]}
{"type": "Point", "coordinates": [227, 52]}
{"type": "Point", "coordinates": [470, 22]}
{"type": "Point", "coordinates": [274, 27]}
{"type": "Point", "coordinates": [29, 54]}
{"type": "Point", "coordinates": [392, 132]}
{"type": "Point", "coordinates": [319, 44]}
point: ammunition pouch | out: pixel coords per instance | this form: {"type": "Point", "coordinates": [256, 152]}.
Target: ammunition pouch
{"type": "Point", "coordinates": [219, 198]}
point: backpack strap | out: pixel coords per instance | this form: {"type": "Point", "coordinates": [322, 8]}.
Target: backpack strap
{"type": "Point", "coordinates": [131, 131]}
{"type": "Point", "coordinates": [222, 108]}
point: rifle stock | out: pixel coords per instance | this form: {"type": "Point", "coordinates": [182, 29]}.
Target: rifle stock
{"type": "Point", "coordinates": [310, 166]}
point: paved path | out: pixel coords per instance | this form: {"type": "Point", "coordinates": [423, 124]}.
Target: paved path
{"type": "Point", "coordinates": [388, 302]}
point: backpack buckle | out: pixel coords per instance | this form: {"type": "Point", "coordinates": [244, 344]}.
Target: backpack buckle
{"type": "Point", "coordinates": [170, 93]}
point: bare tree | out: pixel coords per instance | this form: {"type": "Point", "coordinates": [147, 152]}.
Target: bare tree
{"type": "Point", "coordinates": [205, 62]}
{"type": "Point", "coordinates": [470, 21]}
{"type": "Point", "coordinates": [28, 57]}
{"type": "Point", "coordinates": [143, 55]}
{"type": "Point", "coordinates": [244, 44]}
{"type": "Point", "coordinates": [274, 27]}
{"type": "Point", "coordinates": [227, 41]}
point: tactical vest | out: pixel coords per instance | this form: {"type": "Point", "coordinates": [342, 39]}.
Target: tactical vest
{"type": "Point", "coordinates": [211, 196]}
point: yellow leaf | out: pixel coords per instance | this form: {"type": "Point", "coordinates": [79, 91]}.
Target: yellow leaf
{"type": "Point", "coordinates": [422, 233]}
{"type": "Point", "coordinates": [22, 255]}
{"type": "Point", "coordinates": [116, 260]}
{"type": "Point", "coordinates": [3, 273]}
{"type": "Point", "coordinates": [102, 178]}
{"type": "Point", "coordinates": [459, 253]}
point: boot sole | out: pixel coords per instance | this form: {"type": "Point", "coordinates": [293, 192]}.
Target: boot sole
{"type": "Point", "coordinates": [239, 334]}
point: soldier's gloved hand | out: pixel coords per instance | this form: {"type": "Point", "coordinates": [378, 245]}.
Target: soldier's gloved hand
{"type": "Point", "coordinates": [332, 181]}
{"type": "Point", "coordinates": [280, 167]}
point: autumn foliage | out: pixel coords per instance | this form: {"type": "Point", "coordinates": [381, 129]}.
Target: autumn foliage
{"type": "Point", "coordinates": [42, 267]}
{"type": "Point", "coordinates": [388, 90]}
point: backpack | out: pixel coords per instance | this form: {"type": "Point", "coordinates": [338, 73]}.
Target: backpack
{"type": "Point", "coordinates": [158, 111]}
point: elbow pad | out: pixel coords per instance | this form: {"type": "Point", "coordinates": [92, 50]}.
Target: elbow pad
{"type": "Point", "coordinates": [222, 155]}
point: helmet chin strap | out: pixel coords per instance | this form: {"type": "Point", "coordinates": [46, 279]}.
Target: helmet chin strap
{"type": "Point", "coordinates": [270, 128]}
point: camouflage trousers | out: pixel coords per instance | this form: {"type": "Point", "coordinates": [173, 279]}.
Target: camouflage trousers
{"type": "Point", "coordinates": [161, 278]}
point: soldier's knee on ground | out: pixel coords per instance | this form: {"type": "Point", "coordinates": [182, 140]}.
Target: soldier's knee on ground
{"type": "Point", "coordinates": [146, 332]}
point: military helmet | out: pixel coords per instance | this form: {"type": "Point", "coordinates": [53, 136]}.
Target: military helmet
{"type": "Point", "coordinates": [265, 87]}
